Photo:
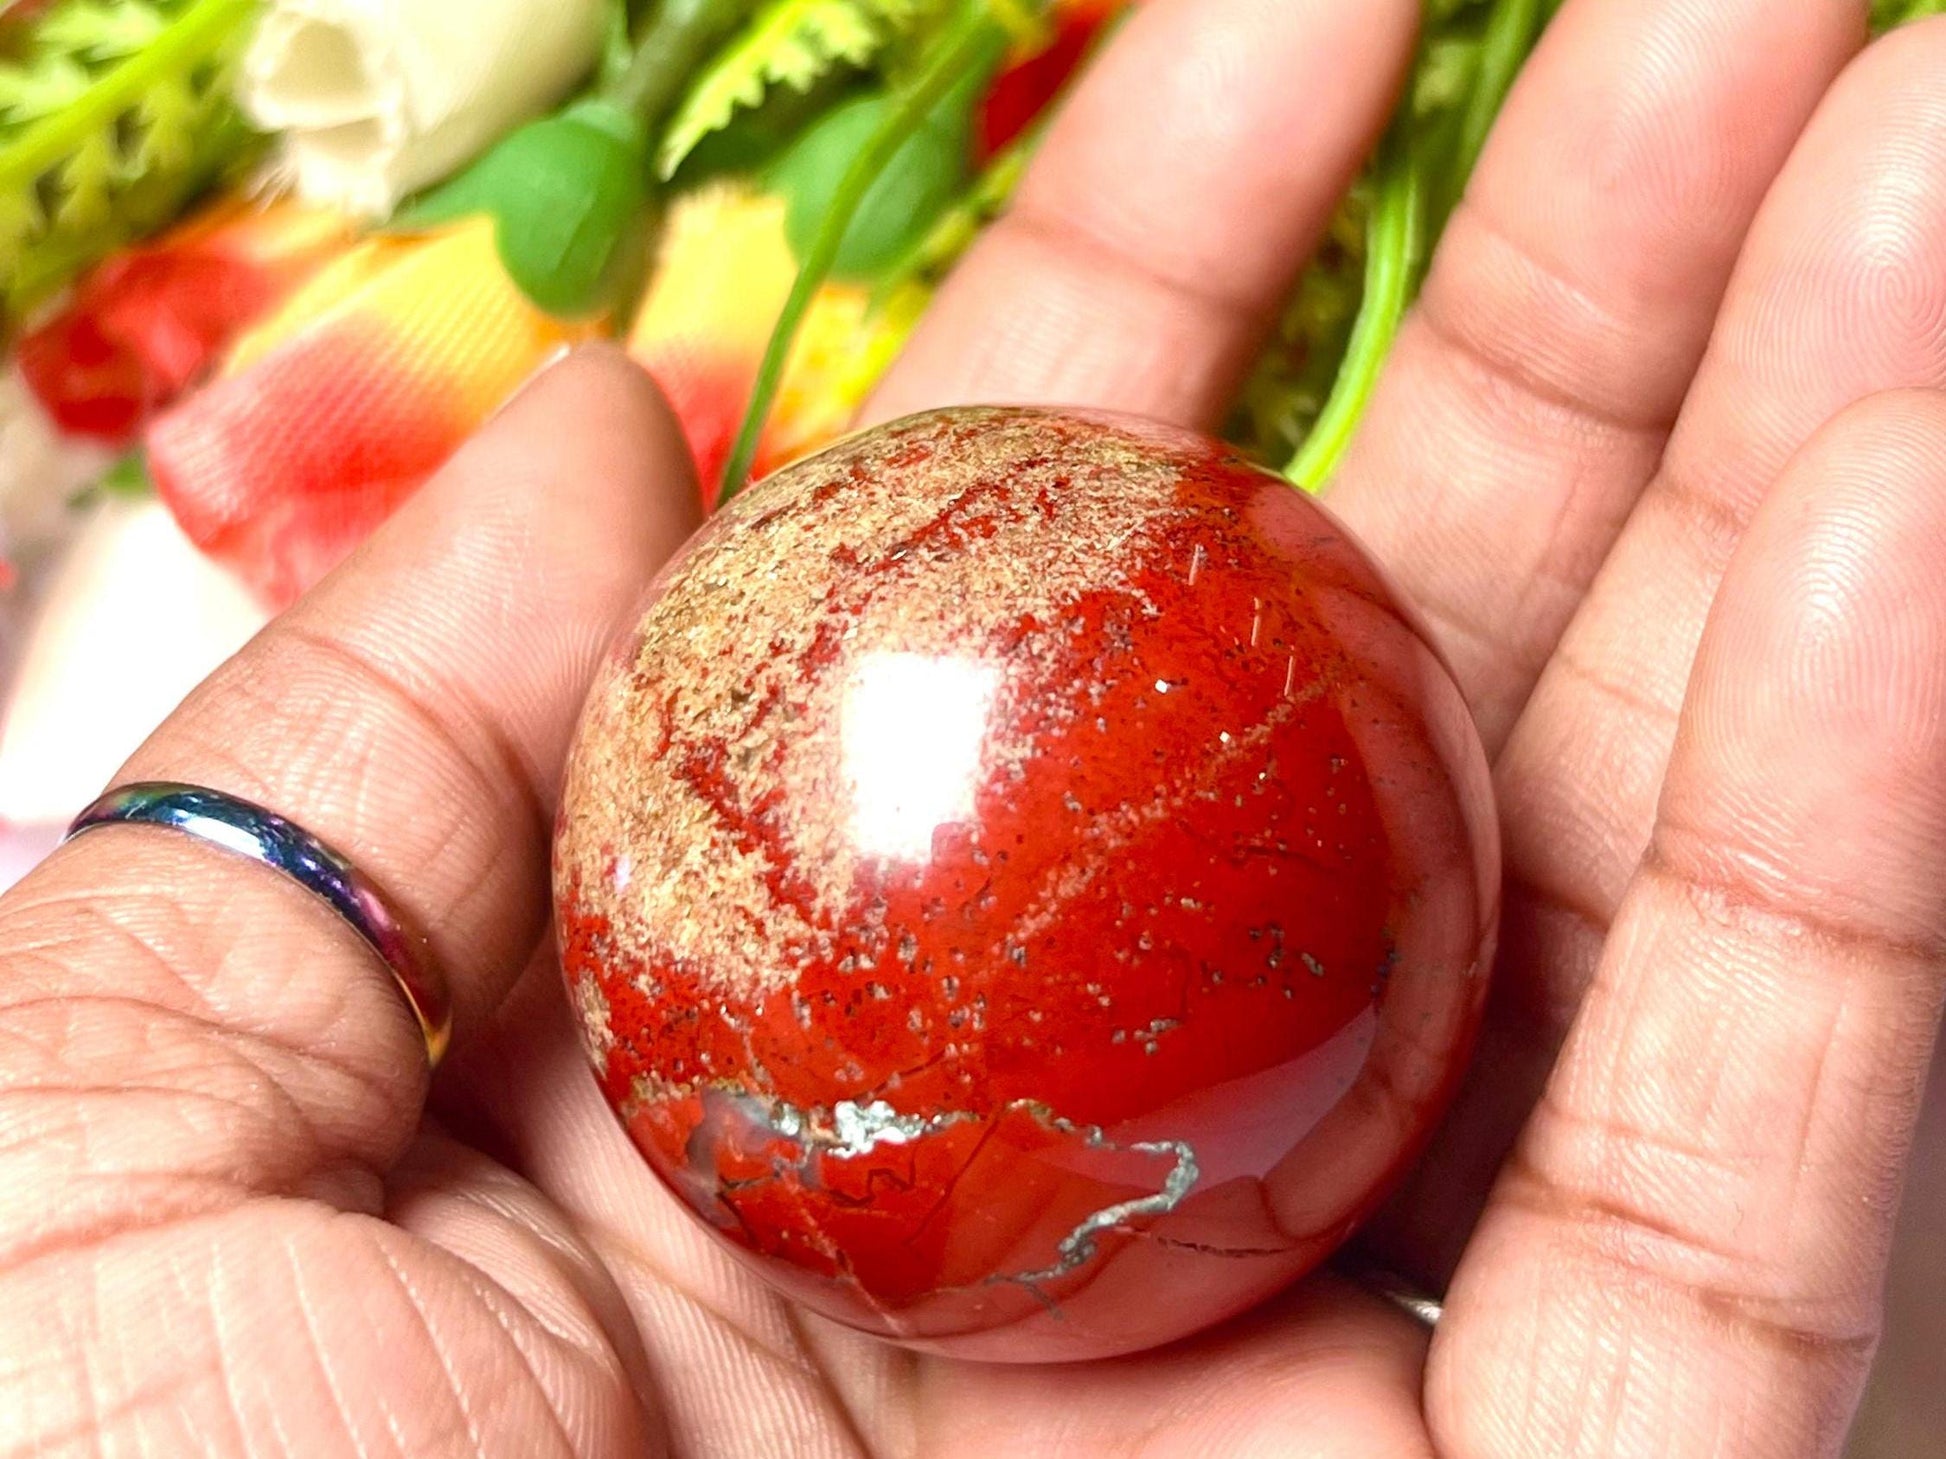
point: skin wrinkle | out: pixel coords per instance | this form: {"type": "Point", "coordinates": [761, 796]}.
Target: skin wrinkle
{"type": "Point", "coordinates": [851, 1431]}
{"type": "Point", "coordinates": [455, 1386]}
{"type": "Point", "coordinates": [96, 1410]}
{"type": "Point", "coordinates": [602, 1234]}
{"type": "Point", "coordinates": [1042, 223]}
{"type": "Point", "coordinates": [1009, 327]}
{"type": "Point", "coordinates": [321, 1354]}
{"type": "Point", "coordinates": [1705, 523]}
{"type": "Point", "coordinates": [1722, 507]}
{"type": "Point", "coordinates": [495, 1304]}
{"type": "Point", "coordinates": [1718, 896]}
{"type": "Point", "coordinates": [1656, 716]}
{"type": "Point", "coordinates": [1538, 378]}
{"type": "Point", "coordinates": [202, 1024]}
{"type": "Point", "coordinates": [139, 922]}
{"type": "Point", "coordinates": [503, 767]}
{"type": "Point", "coordinates": [126, 1232]}
{"type": "Point", "coordinates": [109, 944]}
{"type": "Point", "coordinates": [1804, 1137]}
{"type": "Point", "coordinates": [594, 1341]}
{"type": "Point", "coordinates": [1605, 152]}
{"type": "Point", "coordinates": [683, 1424]}
{"type": "Point", "coordinates": [1598, 1215]}
{"type": "Point", "coordinates": [271, 1111]}
{"type": "Point", "coordinates": [377, 758]}
{"type": "Point", "coordinates": [1614, 828]}
{"type": "Point", "coordinates": [88, 910]}
{"type": "Point", "coordinates": [70, 1094]}
{"type": "Point", "coordinates": [221, 1344]}
{"type": "Point", "coordinates": [1772, 908]}
{"type": "Point", "coordinates": [279, 1109]}
{"type": "Point", "coordinates": [99, 1413]}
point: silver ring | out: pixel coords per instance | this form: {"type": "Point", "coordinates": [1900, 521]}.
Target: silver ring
{"type": "Point", "coordinates": [245, 829]}
{"type": "Point", "coordinates": [1388, 1286]}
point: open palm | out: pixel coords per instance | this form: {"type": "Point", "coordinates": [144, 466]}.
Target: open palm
{"type": "Point", "coordinates": [1656, 457]}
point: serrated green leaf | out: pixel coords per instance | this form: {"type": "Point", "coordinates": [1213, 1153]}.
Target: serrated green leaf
{"type": "Point", "coordinates": [167, 115]}
{"type": "Point", "coordinates": [117, 116]}
{"type": "Point", "coordinates": [21, 221]}
{"type": "Point", "coordinates": [787, 43]}
{"type": "Point", "coordinates": [101, 30]}
{"type": "Point", "coordinates": [87, 180]}
{"type": "Point", "coordinates": [28, 93]}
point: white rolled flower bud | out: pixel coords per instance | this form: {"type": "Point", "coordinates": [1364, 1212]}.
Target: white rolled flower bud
{"type": "Point", "coordinates": [379, 98]}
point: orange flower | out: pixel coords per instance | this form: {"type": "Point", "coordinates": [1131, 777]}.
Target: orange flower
{"type": "Point", "coordinates": [721, 281]}
{"type": "Point", "coordinates": [337, 408]}
{"type": "Point", "coordinates": [150, 322]}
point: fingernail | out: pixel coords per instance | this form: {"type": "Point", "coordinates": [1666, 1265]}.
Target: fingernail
{"type": "Point", "coordinates": [548, 361]}
{"type": "Point", "coordinates": [553, 358]}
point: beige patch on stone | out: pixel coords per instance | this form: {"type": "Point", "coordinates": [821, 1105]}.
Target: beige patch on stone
{"type": "Point", "coordinates": [852, 553]}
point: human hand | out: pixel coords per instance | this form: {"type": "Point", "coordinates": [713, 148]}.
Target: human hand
{"type": "Point", "coordinates": [1643, 459]}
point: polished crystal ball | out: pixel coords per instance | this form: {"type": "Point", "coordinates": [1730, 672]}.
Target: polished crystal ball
{"type": "Point", "coordinates": [1026, 883]}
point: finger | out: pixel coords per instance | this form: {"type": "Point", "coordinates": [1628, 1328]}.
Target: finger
{"type": "Point", "coordinates": [235, 1333]}
{"type": "Point", "coordinates": [1531, 393]}
{"type": "Point", "coordinates": [1901, 1401]}
{"type": "Point", "coordinates": [208, 1021]}
{"type": "Point", "coordinates": [1690, 1242]}
{"type": "Point", "coordinates": [1325, 1361]}
{"type": "Point", "coordinates": [1841, 293]}
{"type": "Point", "coordinates": [739, 1371]}
{"type": "Point", "coordinates": [545, 1275]}
{"type": "Point", "coordinates": [1168, 213]}
{"type": "Point", "coordinates": [1838, 294]}
{"type": "Point", "coordinates": [725, 1351]}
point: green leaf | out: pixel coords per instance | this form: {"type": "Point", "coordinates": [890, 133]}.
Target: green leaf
{"type": "Point", "coordinates": [167, 116]}
{"type": "Point", "coordinates": [758, 136]}
{"type": "Point", "coordinates": [99, 31]}
{"type": "Point", "coordinates": [21, 219]}
{"type": "Point", "coordinates": [87, 181]}
{"type": "Point", "coordinates": [957, 53]}
{"type": "Point", "coordinates": [1889, 13]}
{"type": "Point", "coordinates": [568, 196]}
{"type": "Point", "coordinates": [128, 477]}
{"type": "Point", "coordinates": [29, 93]}
{"type": "Point", "coordinates": [791, 43]}
{"type": "Point", "coordinates": [922, 178]}
{"type": "Point", "coordinates": [117, 113]}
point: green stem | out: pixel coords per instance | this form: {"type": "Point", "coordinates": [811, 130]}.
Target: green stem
{"type": "Point", "coordinates": [1408, 214]}
{"type": "Point", "coordinates": [197, 33]}
{"type": "Point", "coordinates": [1889, 14]}
{"type": "Point", "coordinates": [1394, 248]}
{"type": "Point", "coordinates": [956, 229]}
{"type": "Point", "coordinates": [679, 37]}
{"type": "Point", "coordinates": [1509, 40]}
{"type": "Point", "coordinates": [991, 192]}
{"type": "Point", "coordinates": [962, 47]}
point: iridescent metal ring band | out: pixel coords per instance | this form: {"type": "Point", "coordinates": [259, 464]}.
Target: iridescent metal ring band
{"type": "Point", "coordinates": [262, 835]}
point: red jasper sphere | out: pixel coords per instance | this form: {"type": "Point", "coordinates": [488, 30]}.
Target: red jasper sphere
{"type": "Point", "coordinates": [1026, 883]}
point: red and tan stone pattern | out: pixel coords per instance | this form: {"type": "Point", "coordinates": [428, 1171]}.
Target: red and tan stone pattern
{"type": "Point", "coordinates": [1026, 884]}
